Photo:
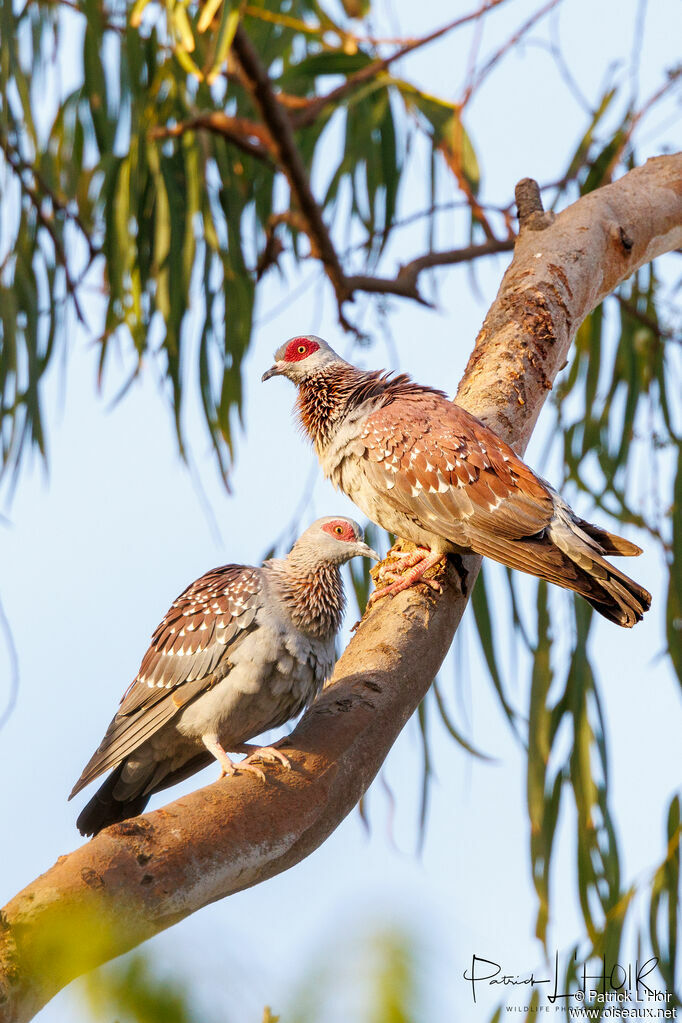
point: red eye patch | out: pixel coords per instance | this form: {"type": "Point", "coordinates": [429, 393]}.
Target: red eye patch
{"type": "Point", "coordinates": [340, 530]}
{"type": "Point", "coordinates": [300, 348]}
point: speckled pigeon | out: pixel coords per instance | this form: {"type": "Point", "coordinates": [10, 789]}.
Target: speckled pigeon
{"type": "Point", "coordinates": [241, 651]}
{"type": "Point", "coordinates": [428, 471]}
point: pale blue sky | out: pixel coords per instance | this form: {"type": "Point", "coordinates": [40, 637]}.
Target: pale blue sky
{"type": "Point", "coordinates": [96, 551]}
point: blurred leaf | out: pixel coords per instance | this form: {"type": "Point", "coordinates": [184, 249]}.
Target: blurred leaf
{"type": "Point", "coordinates": [422, 720]}
{"type": "Point", "coordinates": [543, 795]}
{"type": "Point", "coordinates": [330, 62]}
{"type": "Point", "coordinates": [356, 8]}
{"type": "Point", "coordinates": [208, 13]}
{"type": "Point", "coordinates": [133, 991]}
{"type": "Point", "coordinates": [674, 603]}
{"type": "Point", "coordinates": [580, 156]}
{"type": "Point", "coordinates": [228, 26]}
{"type": "Point", "coordinates": [449, 135]}
{"type": "Point", "coordinates": [480, 604]}
{"type": "Point", "coordinates": [665, 895]}
{"type": "Point", "coordinates": [450, 727]}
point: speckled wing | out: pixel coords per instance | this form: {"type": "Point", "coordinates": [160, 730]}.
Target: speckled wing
{"type": "Point", "coordinates": [433, 462]}
{"type": "Point", "coordinates": [189, 652]}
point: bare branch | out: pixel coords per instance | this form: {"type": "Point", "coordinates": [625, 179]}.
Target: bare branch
{"type": "Point", "coordinates": [139, 877]}
{"type": "Point", "coordinates": [673, 80]}
{"type": "Point", "coordinates": [531, 212]}
{"type": "Point", "coordinates": [405, 282]}
{"type": "Point", "coordinates": [317, 105]}
{"type": "Point", "coordinates": [478, 79]}
{"type": "Point", "coordinates": [289, 158]}
{"type": "Point", "coordinates": [647, 321]}
{"type": "Point", "coordinates": [249, 136]}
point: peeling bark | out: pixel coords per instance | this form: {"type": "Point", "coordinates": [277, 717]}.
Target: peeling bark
{"type": "Point", "coordinates": [139, 877]}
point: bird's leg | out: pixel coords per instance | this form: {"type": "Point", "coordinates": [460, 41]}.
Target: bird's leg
{"type": "Point", "coordinates": [227, 766]}
{"type": "Point", "coordinates": [418, 562]}
{"type": "Point", "coordinates": [268, 753]}
{"type": "Point", "coordinates": [387, 570]}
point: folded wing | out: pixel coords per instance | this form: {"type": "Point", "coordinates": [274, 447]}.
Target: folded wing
{"type": "Point", "coordinates": [189, 653]}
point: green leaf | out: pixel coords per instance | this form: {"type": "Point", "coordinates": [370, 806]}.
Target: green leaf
{"type": "Point", "coordinates": [581, 153]}
{"type": "Point", "coordinates": [479, 601]}
{"type": "Point", "coordinates": [329, 62]}
{"type": "Point", "coordinates": [452, 729]}
{"type": "Point", "coordinates": [208, 13]}
{"type": "Point", "coordinates": [674, 601]}
{"type": "Point", "coordinates": [224, 39]}
{"type": "Point", "coordinates": [448, 132]}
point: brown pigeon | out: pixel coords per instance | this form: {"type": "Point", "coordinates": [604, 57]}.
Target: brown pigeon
{"type": "Point", "coordinates": [428, 471]}
{"type": "Point", "coordinates": [241, 651]}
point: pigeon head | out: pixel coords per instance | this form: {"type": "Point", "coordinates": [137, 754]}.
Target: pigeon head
{"type": "Point", "coordinates": [332, 540]}
{"type": "Point", "coordinates": [302, 357]}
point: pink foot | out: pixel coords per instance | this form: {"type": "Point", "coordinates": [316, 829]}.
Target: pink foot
{"type": "Point", "coordinates": [419, 562]}
{"type": "Point", "coordinates": [267, 753]}
{"type": "Point", "coordinates": [228, 766]}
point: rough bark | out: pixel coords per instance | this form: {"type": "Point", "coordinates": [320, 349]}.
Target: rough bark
{"type": "Point", "coordinates": [137, 878]}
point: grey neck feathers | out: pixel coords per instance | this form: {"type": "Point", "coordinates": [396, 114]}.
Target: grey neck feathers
{"type": "Point", "coordinates": [312, 593]}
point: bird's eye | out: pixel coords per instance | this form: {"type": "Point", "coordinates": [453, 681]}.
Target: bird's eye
{"type": "Point", "coordinates": [301, 349]}
{"type": "Point", "coordinates": [339, 530]}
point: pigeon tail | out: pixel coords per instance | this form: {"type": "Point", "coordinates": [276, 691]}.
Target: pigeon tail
{"type": "Point", "coordinates": [105, 809]}
{"type": "Point", "coordinates": [583, 546]}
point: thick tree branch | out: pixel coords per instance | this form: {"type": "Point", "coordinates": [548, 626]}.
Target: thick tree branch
{"type": "Point", "coordinates": [140, 877]}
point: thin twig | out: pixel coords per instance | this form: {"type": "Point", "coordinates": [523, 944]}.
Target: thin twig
{"type": "Point", "coordinates": [472, 59]}
{"type": "Point", "coordinates": [14, 668]}
{"type": "Point", "coordinates": [249, 136]}
{"type": "Point", "coordinates": [636, 51]}
{"type": "Point", "coordinates": [673, 80]}
{"type": "Point", "coordinates": [430, 211]}
{"type": "Point", "coordinates": [563, 68]}
{"type": "Point", "coordinates": [646, 321]}
{"type": "Point", "coordinates": [17, 163]}
{"type": "Point", "coordinates": [510, 44]}
{"type": "Point", "coordinates": [310, 114]}
{"type": "Point", "coordinates": [404, 283]}
{"type": "Point", "coordinates": [289, 158]}
{"type": "Point", "coordinates": [59, 204]}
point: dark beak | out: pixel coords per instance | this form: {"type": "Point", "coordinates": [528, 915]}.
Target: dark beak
{"type": "Point", "coordinates": [274, 371]}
